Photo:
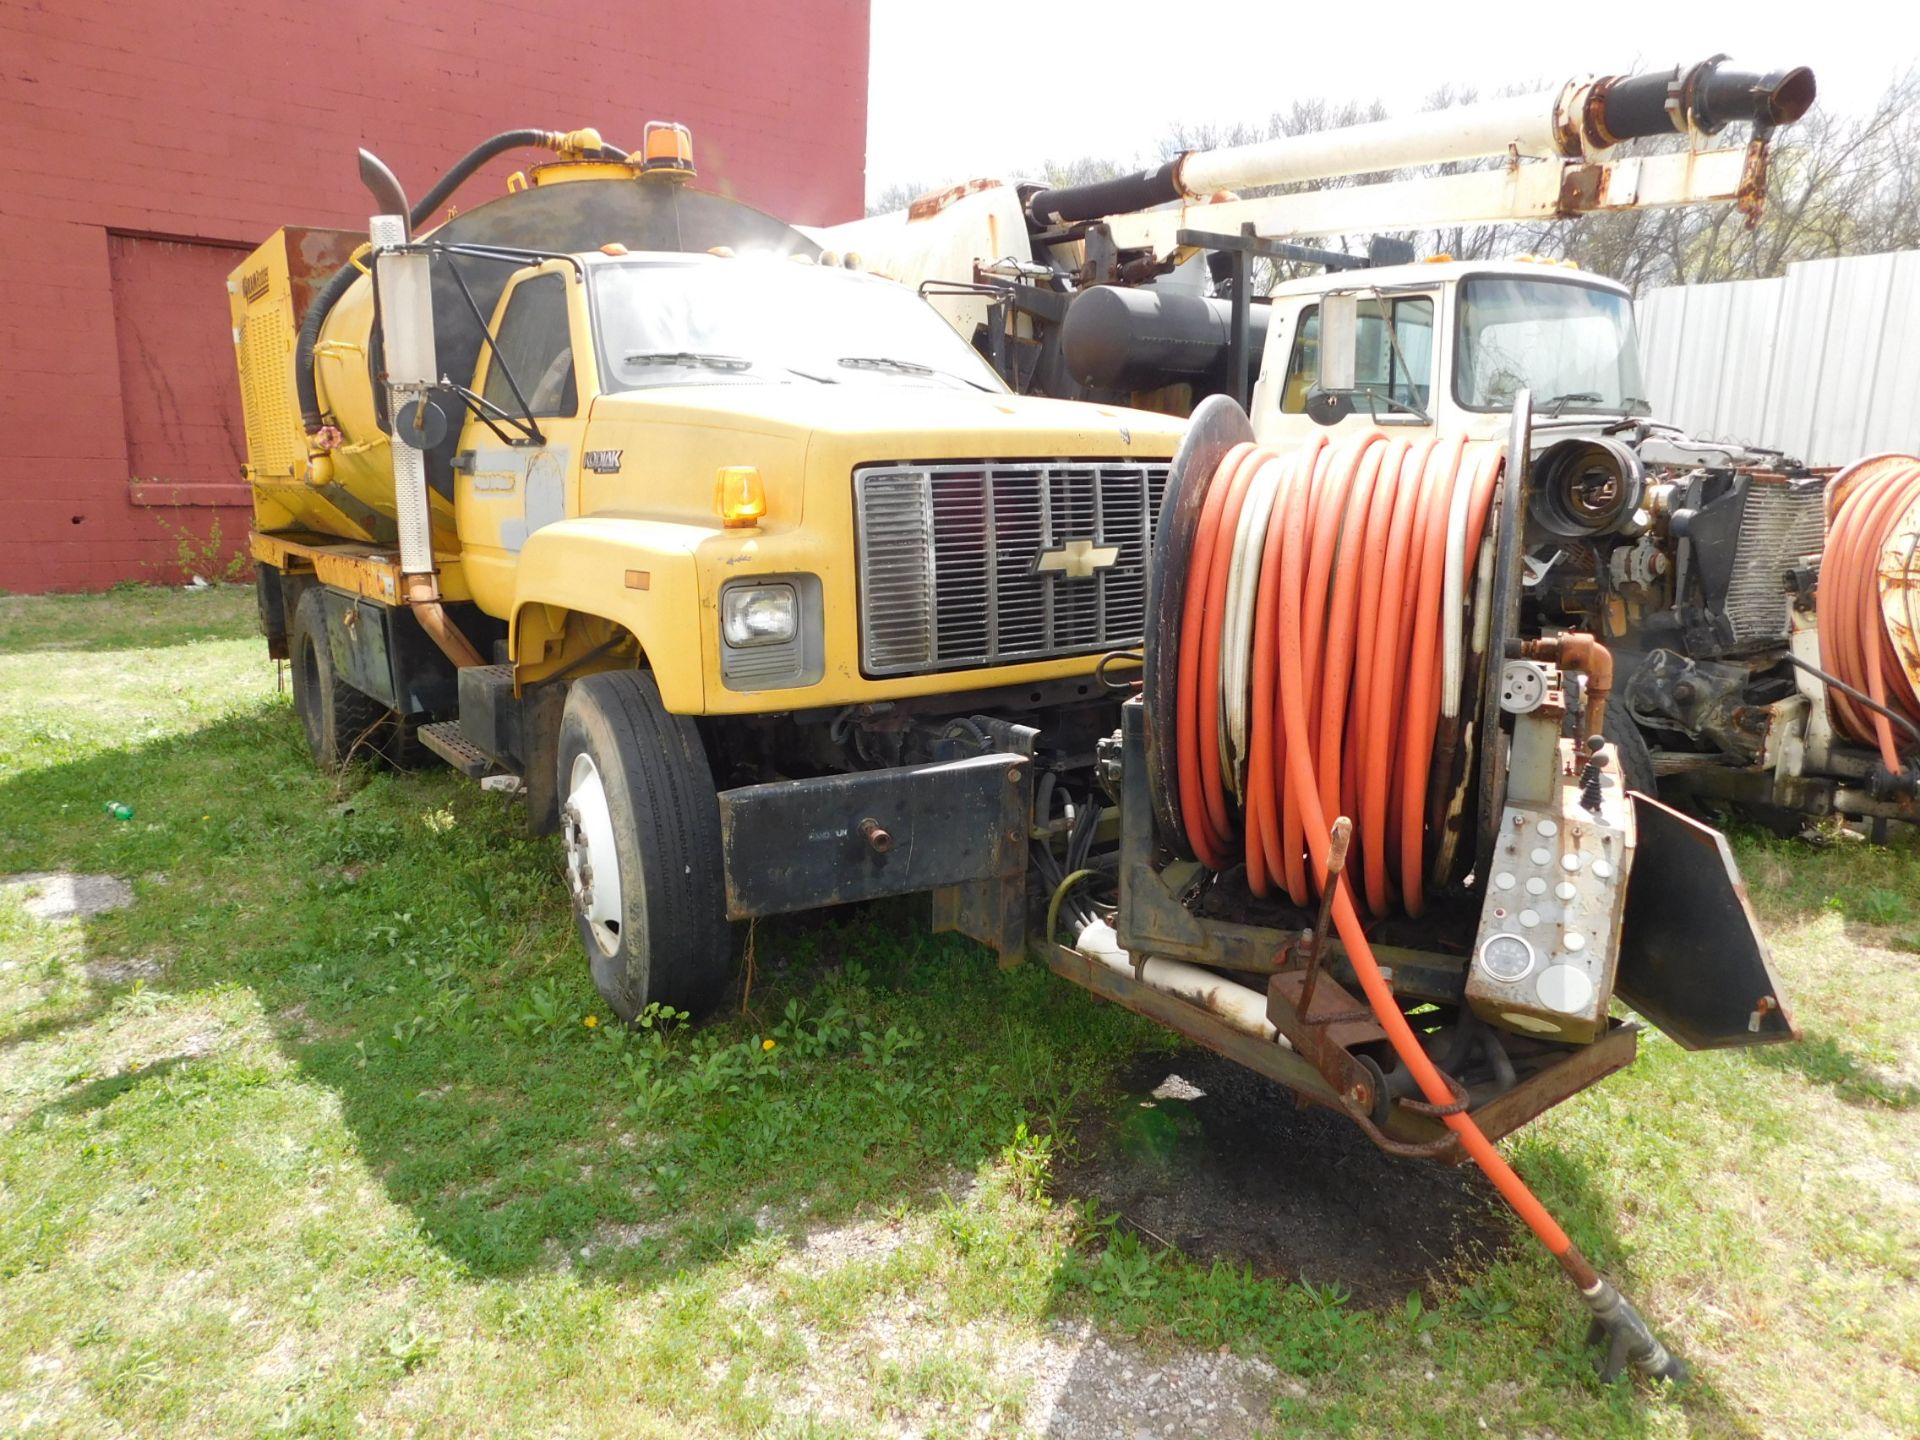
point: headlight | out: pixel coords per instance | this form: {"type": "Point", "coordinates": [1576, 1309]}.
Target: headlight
{"type": "Point", "coordinates": [758, 615]}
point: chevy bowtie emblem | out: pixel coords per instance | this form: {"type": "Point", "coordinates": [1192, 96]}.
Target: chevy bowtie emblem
{"type": "Point", "coordinates": [1076, 559]}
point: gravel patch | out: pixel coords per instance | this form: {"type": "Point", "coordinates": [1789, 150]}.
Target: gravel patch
{"type": "Point", "coordinates": [1068, 1383]}
{"type": "Point", "coordinates": [610, 1236]}
{"type": "Point", "coordinates": [1086, 1388]}
{"type": "Point", "coordinates": [831, 1247]}
{"type": "Point", "coordinates": [64, 895]}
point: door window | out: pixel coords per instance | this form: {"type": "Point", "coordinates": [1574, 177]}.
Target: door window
{"type": "Point", "coordinates": [535, 346]}
{"type": "Point", "coordinates": [1303, 365]}
{"type": "Point", "coordinates": [1405, 372]}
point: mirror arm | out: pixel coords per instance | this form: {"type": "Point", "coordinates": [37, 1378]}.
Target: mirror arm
{"type": "Point", "coordinates": [485, 411]}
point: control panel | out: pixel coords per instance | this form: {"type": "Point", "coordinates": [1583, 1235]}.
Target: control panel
{"type": "Point", "coordinates": [1556, 883]}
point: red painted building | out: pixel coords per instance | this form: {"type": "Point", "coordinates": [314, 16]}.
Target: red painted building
{"type": "Point", "coordinates": [146, 145]}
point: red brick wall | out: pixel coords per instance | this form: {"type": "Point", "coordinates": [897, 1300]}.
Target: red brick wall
{"type": "Point", "coordinates": [143, 141]}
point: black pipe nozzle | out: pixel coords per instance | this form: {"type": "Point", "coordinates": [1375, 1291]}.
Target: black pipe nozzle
{"type": "Point", "coordinates": [1120, 196]}
{"type": "Point", "coordinates": [1628, 1338]}
{"type": "Point", "coordinates": [1708, 97]}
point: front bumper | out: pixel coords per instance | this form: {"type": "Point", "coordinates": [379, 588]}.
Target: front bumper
{"type": "Point", "coordinates": [956, 826]}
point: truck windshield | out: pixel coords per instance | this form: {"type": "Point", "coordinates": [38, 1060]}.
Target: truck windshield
{"type": "Point", "coordinates": [755, 321]}
{"type": "Point", "coordinates": [1571, 344]}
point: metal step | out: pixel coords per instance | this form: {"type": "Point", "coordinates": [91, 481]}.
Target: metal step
{"type": "Point", "coordinates": [445, 739]}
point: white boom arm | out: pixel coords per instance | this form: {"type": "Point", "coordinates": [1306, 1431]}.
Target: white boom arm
{"type": "Point", "coordinates": [1518, 191]}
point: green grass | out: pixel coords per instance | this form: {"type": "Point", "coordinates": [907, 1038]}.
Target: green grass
{"type": "Point", "coordinates": [329, 1134]}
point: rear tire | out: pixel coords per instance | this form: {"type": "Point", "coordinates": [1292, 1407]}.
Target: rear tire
{"type": "Point", "coordinates": [338, 719]}
{"type": "Point", "coordinates": [642, 833]}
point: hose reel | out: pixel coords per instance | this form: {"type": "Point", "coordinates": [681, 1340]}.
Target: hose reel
{"type": "Point", "coordinates": [1353, 542]}
{"type": "Point", "coordinates": [1404, 524]}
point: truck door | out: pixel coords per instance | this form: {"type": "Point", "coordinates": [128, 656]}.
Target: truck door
{"type": "Point", "coordinates": [512, 476]}
{"type": "Point", "coordinates": [1394, 364]}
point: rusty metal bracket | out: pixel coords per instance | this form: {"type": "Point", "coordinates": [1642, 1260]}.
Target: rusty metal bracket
{"type": "Point", "coordinates": [1444, 1148]}
{"type": "Point", "coordinates": [1405, 1132]}
{"type": "Point", "coordinates": [1325, 1041]}
{"type": "Point", "coordinates": [1751, 201]}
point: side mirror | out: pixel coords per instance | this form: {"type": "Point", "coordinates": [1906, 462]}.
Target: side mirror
{"type": "Point", "coordinates": [1339, 339]}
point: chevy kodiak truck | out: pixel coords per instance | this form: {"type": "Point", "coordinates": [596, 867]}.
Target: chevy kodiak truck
{"type": "Point", "coordinates": [631, 491]}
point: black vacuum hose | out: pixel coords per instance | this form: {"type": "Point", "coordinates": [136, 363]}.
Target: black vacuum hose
{"type": "Point", "coordinates": [1712, 95]}
{"type": "Point", "coordinates": [1097, 199]}
{"type": "Point", "coordinates": [323, 302]}
{"type": "Point", "coordinates": [464, 167]}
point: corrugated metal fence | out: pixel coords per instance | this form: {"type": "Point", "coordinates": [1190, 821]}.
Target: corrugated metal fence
{"type": "Point", "coordinates": [1823, 363]}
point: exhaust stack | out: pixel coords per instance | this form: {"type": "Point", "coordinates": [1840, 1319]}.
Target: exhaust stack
{"type": "Point", "coordinates": [403, 284]}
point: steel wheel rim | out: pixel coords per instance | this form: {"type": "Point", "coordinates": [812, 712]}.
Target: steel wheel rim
{"type": "Point", "coordinates": [593, 865]}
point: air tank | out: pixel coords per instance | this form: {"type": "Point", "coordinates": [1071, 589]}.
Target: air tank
{"type": "Point", "coordinates": [1117, 338]}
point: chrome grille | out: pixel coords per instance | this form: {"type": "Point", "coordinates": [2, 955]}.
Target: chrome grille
{"type": "Point", "coordinates": [948, 556]}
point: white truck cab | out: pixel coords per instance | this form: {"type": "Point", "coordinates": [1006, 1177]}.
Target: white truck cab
{"type": "Point", "coordinates": [1442, 347]}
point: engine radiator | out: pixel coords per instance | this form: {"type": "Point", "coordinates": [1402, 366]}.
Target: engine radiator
{"type": "Point", "coordinates": [1782, 527]}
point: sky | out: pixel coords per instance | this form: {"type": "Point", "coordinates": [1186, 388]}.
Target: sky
{"type": "Point", "coordinates": [957, 91]}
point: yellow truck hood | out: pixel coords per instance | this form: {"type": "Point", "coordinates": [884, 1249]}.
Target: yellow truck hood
{"type": "Point", "coordinates": [647, 552]}
{"type": "Point", "coordinates": [997, 423]}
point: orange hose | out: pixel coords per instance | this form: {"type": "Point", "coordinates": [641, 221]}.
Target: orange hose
{"type": "Point", "coordinates": [1214, 790]}
{"type": "Point", "coordinates": [1348, 611]}
{"type": "Point", "coordinates": [1373, 518]}
{"type": "Point", "coordinates": [1208, 844]}
{"type": "Point", "coordinates": [1867, 505]}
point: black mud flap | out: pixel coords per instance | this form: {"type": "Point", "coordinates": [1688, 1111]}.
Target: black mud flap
{"type": "Point", "coordinates": [1691, 957]}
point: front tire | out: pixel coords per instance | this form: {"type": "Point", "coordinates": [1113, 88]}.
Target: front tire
{"type": "Point", "coordinates": [642, 833]}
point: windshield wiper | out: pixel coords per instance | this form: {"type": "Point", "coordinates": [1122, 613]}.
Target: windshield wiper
{"type": "Point", "coordinates": [883, 362]}
{"type": "Point", "coordinates": [1560, 402]}
{"type": "Point", "coordinates": [907, 367]}
{"type": "Point", "coordinates": [690, 357]}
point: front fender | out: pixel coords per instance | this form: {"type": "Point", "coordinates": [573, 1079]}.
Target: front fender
{"type": "Point", "coordinates": [639, 574]}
